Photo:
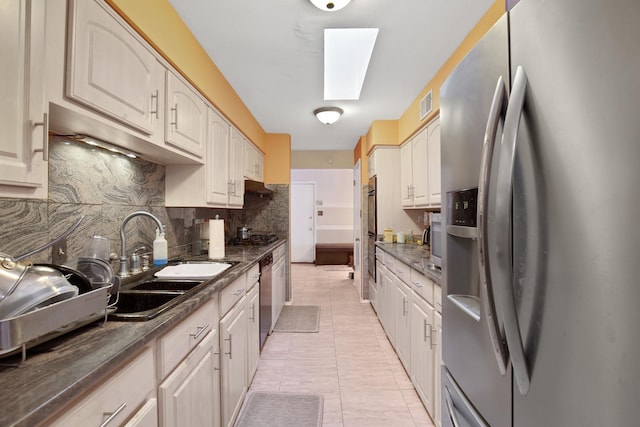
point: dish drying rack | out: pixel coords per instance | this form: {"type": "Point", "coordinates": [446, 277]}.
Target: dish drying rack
{"type": "Point", "coordinates": [19, 333]}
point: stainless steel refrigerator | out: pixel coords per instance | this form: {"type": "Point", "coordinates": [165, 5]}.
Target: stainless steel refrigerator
{"type": "Point", "coordinates": [541, 177]}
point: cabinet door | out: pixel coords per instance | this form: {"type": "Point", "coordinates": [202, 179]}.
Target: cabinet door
{"type": "Point", "coordinates": [420, 166]}
{"type": "Point", "coordinates": [110, 70]}
{"type": "Point", "coordinates": [403, 323]}
{"type": "Point", "coordinates": [186, 117]}
{"type": "Point", "coordinates": [189, 396]}
{"type": "Point", "coordinates": [278, 287]}
{"type": "Point", "coordinates": [217, 159]}
{"type": "Point", "coordinates": [253, 336]}
{"type": "Point", "coordinates": [233, 346]}
{"type": "Point", "coordinates": [259, 166]}
{"type": "Point", "coordinates": [249, 161]}
{"type": "Point", "coordinates": [236, 163]}
{"type": "Point", "coordinates": [22, 94]}
{"type": "Point", "coordinates": [433, 153]}
{"type": "Point", "coordinates": [422, 349]}
{"type": "Point", "coordinates": [406, 174]}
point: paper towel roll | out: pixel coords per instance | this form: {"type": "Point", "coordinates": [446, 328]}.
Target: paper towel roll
{"type": "Point", "coordinates": [216, 238]}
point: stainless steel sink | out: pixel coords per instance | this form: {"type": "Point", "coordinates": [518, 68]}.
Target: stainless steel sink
{"type": "Point", "coordinates": [145, 305]}
{"type": "Point", "coordinates": [165, 285]}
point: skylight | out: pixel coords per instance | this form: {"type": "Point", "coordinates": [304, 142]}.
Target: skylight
{"type": "Point", "coordinates": [347, 52]}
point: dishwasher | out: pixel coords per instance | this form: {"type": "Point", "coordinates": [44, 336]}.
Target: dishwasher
{"type": "Point", "coordinates": [266, 265]}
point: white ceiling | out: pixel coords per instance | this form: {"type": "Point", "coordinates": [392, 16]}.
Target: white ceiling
{"type": "Point", "coordinates": [271, 52]}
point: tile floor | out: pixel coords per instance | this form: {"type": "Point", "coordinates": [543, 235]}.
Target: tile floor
{"type": "Point", "coordinates": [349, 361]}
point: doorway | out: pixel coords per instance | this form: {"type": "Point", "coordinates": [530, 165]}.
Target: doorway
{"type": "Point", "coordinates": [357, 230]}
{"type": "Point", "coordinates": [303, 221]}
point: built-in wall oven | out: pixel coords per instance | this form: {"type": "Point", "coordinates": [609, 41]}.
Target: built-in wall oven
{"type": "Point", "coordinates": [371, 228]}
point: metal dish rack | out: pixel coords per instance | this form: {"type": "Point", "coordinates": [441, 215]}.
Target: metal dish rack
{"type": "Point", "coordinates": [30, 329]}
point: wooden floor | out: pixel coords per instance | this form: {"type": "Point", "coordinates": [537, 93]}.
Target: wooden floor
{"type": "Point", "coordinates": [349, 361]}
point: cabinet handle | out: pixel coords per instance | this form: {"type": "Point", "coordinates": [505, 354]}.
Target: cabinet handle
{"type": "Point", "coordinates": [399, 272]}
{"type": "Point", "coordinates": [45, 137]}
{"type": "Point", "coordinates": [238, 292]}
{"type": "Point", "coordinates": [404, 306]}
{"type": "Point", "coordinates": [424, 329]}
{"type": "Point", "coordinates": [112, 415]}
{"type": "Point", "coordinates": [154, 97]}
{"type": "Point", "coordinates": [175, 121]}
{"type": "Point", "coordinates": [253, 313]}
{"type": "Point", "coordinates": [430, 335]}
{"type": "Point", "coordinates": [417, 284]}
{"type": "Point", "coordinates": [199, 331]}
{"type": "Point", "coordinates": [230, 344]}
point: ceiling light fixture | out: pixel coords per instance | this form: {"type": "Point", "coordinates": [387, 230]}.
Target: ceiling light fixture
{"type": "Point", "coordinates": [328, 115]}
{"type": "Point", "coordinates": [330, 5]}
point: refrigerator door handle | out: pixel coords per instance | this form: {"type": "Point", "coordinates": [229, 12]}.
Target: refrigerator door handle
{"type": "Point", "coordinates": [497, 110]}
{"type": "Point", "coordinates": [504, 195]}
{"type": "Point", "coordinates": [469, 414]}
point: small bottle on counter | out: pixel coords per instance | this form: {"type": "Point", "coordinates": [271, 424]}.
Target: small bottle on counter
{"type": "Point", "coordinates": [160, 249]}
{"type": "Point", "coordinates": [388, 235]}
{"type": "Point", "coordinates": [409, 238]}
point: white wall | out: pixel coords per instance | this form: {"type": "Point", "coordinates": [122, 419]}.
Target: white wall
{"type": "Point", "coordinates": [334, 202]}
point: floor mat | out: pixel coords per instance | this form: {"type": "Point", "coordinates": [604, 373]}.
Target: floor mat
{"type": "Point", "coordinates": [298, 318]}
{"type": "Point", "coordinates": [278, 409]}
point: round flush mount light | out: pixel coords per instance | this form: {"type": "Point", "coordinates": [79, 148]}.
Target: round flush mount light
{"type": "Point", "coordinates": [330, 5]}
{"type": "Point", "coordinates": [328, 115]}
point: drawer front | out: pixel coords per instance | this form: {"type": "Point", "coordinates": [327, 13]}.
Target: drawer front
{"type": "Point", "coordinates": [380, 255]}
{"type": "Point", "coordinates": [278, 252]}
{"type": "Point", "coordinates": [230, 295]}
{"type": "Point", "coordinates": [402, 270]}
{"type": "Point", "coordinates": [178, 342]}
{"type": "Point", "coordinates": [119, 396]}
{"type": "Point", "coordinates": [422, 286]}
{"type": "Point", "coordinates": [253, 275]}
{"type": "Point", "coordinates": [389, 261]}
{"type": "Point", "coordinates": [437, 298]}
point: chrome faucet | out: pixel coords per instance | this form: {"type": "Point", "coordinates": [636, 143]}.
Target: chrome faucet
{"type": "Point", "coordinates": [124, 260]}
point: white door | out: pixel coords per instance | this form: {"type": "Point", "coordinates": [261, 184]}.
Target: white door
{"type": "Point", "coordinates": [357, 230]}
{"type": "Point", "coordinates": [303, 221]}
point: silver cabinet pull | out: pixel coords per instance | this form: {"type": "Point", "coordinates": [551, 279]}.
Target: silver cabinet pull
{"type": "Point", "coordinates": [238, 292]}
{"type": "Point", "coordinates": [154, 100]}
{"type": "Point", "coordinates": [404, 306]}
{"type": "Point", "coordinates": [199, 331]}
{"type": "Point", "coordinates": [45, 137]}
{"type": "Point", "coordinates": [175, 120]}
{"type": "Point", "coordinates": [230, 344]}
{"type": "Point", "coordinates": [417, 284]}
{"type": "Point", "coordinates": [112, 415]}
{"type": "Point", "coordinates": [253, 313]}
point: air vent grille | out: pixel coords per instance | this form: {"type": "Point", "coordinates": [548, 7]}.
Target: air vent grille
{"type": "Point", "coordinates": [426, 105]}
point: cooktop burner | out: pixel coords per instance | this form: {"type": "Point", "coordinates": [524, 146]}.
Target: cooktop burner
{"type": "Point", "coordinates": [255, 240]}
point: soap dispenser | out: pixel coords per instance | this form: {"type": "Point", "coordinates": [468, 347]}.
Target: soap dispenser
{"type": "Point", "coordinates": [160, 248]}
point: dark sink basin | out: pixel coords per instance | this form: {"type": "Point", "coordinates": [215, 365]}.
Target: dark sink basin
{"type": "Point", "coordinates": [165, 285]}
{"type": "Point", "coordinates": [141, 305]}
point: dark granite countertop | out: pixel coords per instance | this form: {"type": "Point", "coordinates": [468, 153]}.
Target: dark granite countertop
{"type": "Point", "coordinates": [63, 369]}
{"type": "Point", "coordinates": [415, 256]}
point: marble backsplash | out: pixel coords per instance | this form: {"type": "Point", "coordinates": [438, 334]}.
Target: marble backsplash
{"type": "Point", "coordinates": [105, 188]}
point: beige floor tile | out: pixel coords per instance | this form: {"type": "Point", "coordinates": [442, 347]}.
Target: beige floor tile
{"type": "Point", "coordinates": [349, 361]}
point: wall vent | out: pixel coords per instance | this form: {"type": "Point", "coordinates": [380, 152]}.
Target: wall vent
{"type": "Point", "coordinates": [426, 105]}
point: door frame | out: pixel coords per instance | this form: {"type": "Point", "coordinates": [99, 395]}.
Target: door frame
{"type": "Point", "coordinates": [313, 209]}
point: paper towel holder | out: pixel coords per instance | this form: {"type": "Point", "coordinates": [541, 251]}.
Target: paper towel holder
{"type": "Point", "coordinates": [200, 241]}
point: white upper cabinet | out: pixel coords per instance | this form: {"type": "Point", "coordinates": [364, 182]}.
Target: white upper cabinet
{"type": "Point", "coordinates": [186, 116]}
{"type": "Point", "coordinates": [217, 163]}
{"type": "Point", "coordinates": [236, 163]}
{"type": "Point", "coordinates": [111, 71]}
{"type": "Point", "coordinates": [253, 162]}
{"type": "Point", "coordinates": [433, 156]}
{"type": "Point", "coordinates": [23, 143]}
{"type": "Point", "coordinates": [420, 168]}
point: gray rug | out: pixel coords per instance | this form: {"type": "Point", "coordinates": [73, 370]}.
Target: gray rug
{"type": "Point", "coordinates": [278, 409]}
{"type": "Point", "coordinates": [298, 318]}
{"type": "Point", "coordinates": [337, 268]}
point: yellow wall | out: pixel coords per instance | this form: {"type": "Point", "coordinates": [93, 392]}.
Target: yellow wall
{"type": "Point", "coordinates": [277, 159]}
{"type": "Point", "coordinates": [410, 121]}
{"type": "Point", "coordinates": [158, 22]}
{"type": "Point", "coordinates": [382, 132]}
{"type": "Point", "coordinates": [321, 159]}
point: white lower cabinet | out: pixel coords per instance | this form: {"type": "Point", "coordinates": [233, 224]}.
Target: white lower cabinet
{"type": "Point", "coordinates": [253, 334]}
{"type": "Point", "coordinates": [409, 307]}
{"type": "Point", "coordinates": [278, 288]}
{"type": "Point", "coordinates": [190, 396]}
{"type": "Point", "coordinates": [233, 361]}
{"type": "Point", "coordinates": [147, 416]}
{"type": "Point", "coordinates": [117, 399]}
{"type": "Point", "coordinates": [422, 351]}
{"type": "Point", "coordinates": [403, 322]}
